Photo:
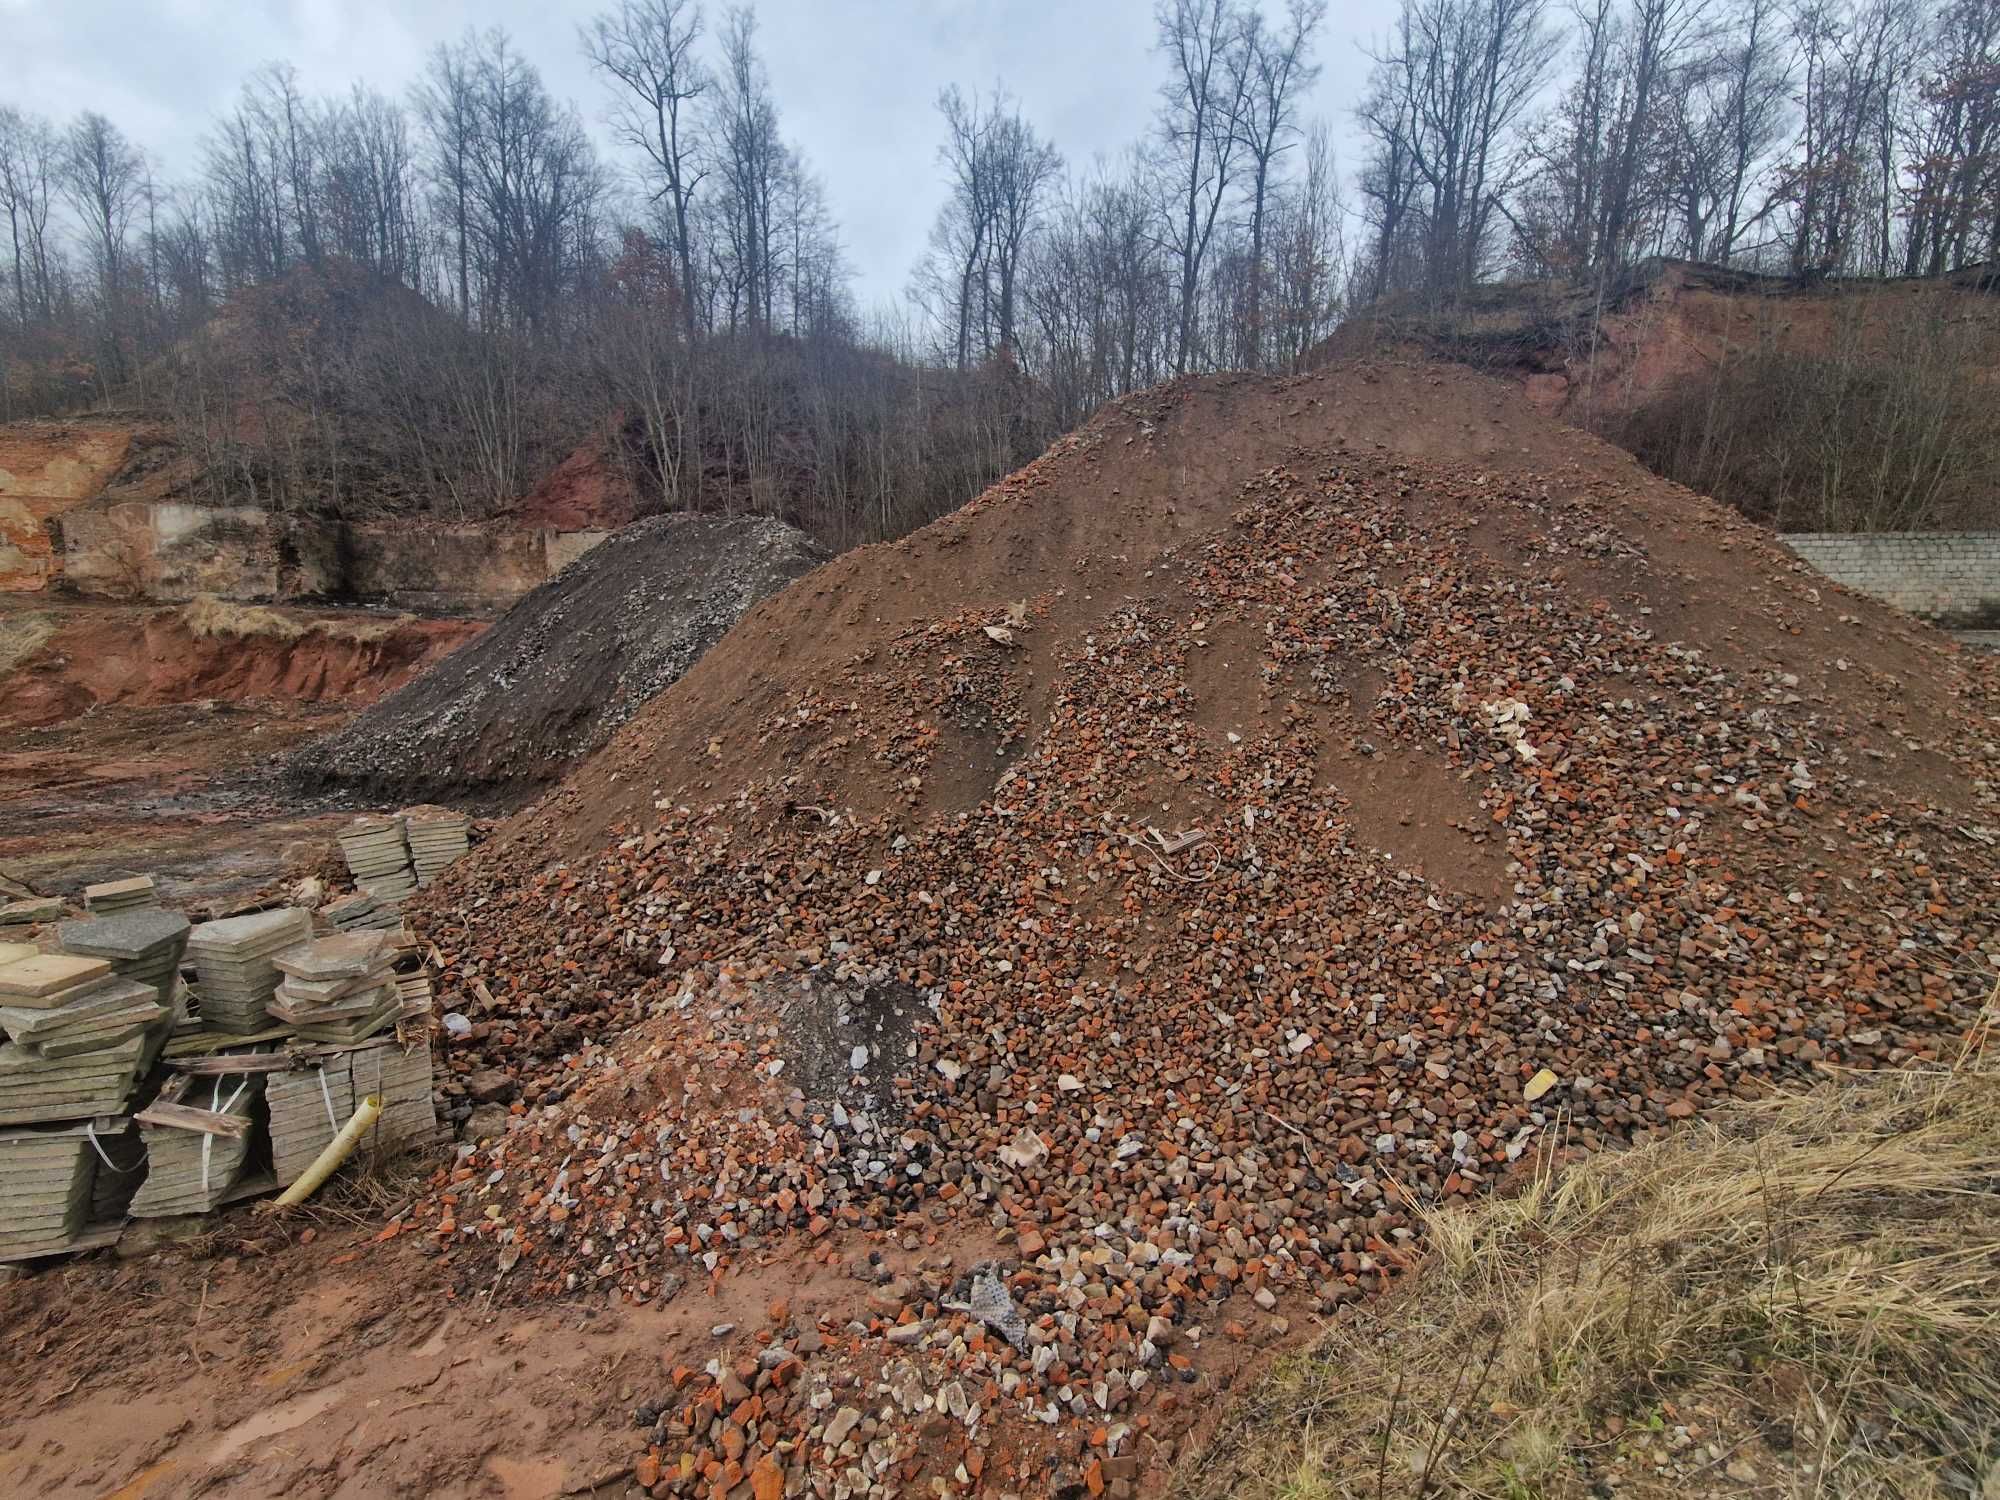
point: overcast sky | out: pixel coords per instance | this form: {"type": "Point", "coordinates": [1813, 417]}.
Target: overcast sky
{"type": "Point", "coordinates": [856, 80]}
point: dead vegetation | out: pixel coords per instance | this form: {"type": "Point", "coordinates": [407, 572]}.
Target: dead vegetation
{"type": "Point", "coordinates": [210, 618]}
{"type": "Point", "coordinates": [1885, 421]}
{"type": "Point", "coordinates": [1797, 1297]}
{"type": "Point", "coordinates": [21, 635]}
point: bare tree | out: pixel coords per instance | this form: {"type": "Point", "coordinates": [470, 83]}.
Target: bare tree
{"type": "Point", "coordinates": [369, 186]}
{"type": "Point", "coordinates": [1280, 71]}
{"type": "Point", "coordinates": [1725, 112]}
{"type": "Point", "coordinates": [1604, 153]}
{"type": "Point", "coordinates": [1852, 66]}
{"type": "Point", "coordinates": [447, 102]}
{"type": "Point", "coordinates": [102, 172]}
{"type": "Point", "coordinates": [1203, 104]}
{"type": "Point", "coordinates": [961, 238]}
{"type": "Point", "coordinates": [750, 157]}
{"type": "Point", "coordinates": [1954, 142]}
{"type": "Point", "coordinates": [1448, 90]}
{"type": "Point", "coordinates": [30, 167]}
{"type": "Point", "coordinates": [1660, 32]}
{"type": "Point", "coordinates": [647, 48]}
{"type": "Point", "coordinates": [1309, 264]}
{"type": "Point", "coordinates": [1000, 170]}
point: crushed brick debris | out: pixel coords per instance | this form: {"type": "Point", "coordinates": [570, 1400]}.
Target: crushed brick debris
{"type": "Point", "coordinates": [1344, 860]}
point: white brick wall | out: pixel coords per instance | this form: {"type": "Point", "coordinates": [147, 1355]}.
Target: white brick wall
{"type": "Point", "coordinates": [1950, 577]}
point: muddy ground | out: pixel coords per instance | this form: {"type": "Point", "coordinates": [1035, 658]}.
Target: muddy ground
{"type": "Point", "coordinates": [139, 739]}
{"type": "Point", "coordinates": [235, 1355]}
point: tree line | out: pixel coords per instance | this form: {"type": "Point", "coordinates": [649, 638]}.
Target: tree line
{"type": "Point", "coordinates": [1852, 138]}
{"type": "Point", "coordinates": [422, 303]}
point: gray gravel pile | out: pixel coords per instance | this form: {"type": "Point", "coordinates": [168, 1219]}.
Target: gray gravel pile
{"type": "Point", "coordinates": [554, 676]}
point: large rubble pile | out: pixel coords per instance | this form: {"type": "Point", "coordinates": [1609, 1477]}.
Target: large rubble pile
{"type": "Point", "coordinates": [1162, 884]}
{"type": "Point", "coordinates": [561, 670]}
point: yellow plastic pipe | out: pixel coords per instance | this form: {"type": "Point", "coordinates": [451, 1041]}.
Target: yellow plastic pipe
{"type": "Point", "coordinates": [337, 1151]}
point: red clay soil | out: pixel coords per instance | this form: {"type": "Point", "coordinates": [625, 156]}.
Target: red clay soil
{"type": "Point", "coordinates": [1159, 884]}
{"type": "Point", "coordinates": [588, 491]}
{"type": "Point", "coordinates": [82, 656]}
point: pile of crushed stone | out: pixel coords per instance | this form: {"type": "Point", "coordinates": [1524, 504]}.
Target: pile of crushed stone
{"type": "Point", "coordinates": [1229, 839]}
{"type": "Point", "coordinates": [559, 672]}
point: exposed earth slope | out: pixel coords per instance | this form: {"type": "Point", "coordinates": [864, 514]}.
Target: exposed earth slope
{"type": "Point", "coordinates": [63, 659]}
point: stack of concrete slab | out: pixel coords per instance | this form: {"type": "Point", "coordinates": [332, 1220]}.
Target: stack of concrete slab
{"type": "Point", "coordinates": [45, 1189]}
{"type": "Point", "coordinates": [362, 912]}
{"type": "Point", "coordinates": [29, 910]}
{"type": "Point", "coordinates": [108, 1012]}
{"type": "Point", "coordinates": [378, 857]}
{"type": "Point", "coordinates": [186, 1022]}
{"type": "Point", "coordinates": [308, 1106]}
{"type": "Point", "coordinates": [436, 836]}
{"type": "Point", "coordinates": [338, 989]}
{"type": "Point", "coordinates": [79, 1037]}
{"type": "Point", "coordinates": [234, 968]}
{"type": "Point", "coordinates": [190, 1171]}
{"type": "Point", "coordinates": [86, 1086]}
{"type": "Point", "coordinates": [111, 896]}
{"type": "Point", "coordinates": [143, 944]}
{"type": "Point", "coordinates": [401, 1078]}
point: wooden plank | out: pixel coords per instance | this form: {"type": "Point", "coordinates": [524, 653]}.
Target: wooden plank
{"type": "Point", "coordinates": [222, 1067]}
{"type": "Point", "coordinates": [201, 1043]}
{"type": "Point", "coordinates": [185, 1117]}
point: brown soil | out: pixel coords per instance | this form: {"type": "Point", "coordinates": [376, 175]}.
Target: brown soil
{"type": "Point", "coordinates": [65, 659]}
{"type": "Point", "coordinates": [589, 490]}
{"type": "Point", "coordinates": [1098, 520]}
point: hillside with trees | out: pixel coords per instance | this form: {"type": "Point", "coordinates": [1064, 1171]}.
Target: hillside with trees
{"type": "Point", "coordinates": [421, 304]}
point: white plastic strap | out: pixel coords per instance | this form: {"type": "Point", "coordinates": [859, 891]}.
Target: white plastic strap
{"type": "Point", "coordinates": [208, 1141]}
{"type": "Point", "coordinates": [327, 1094]}
{"type": "Point", "coordinates": [90, 1134]}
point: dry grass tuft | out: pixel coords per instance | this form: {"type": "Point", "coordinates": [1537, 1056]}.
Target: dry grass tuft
{"type": "Point", "coordinates": [1800, 1296]}
{"type": "Point", "coordinates": [208, 617]}
{"type": "Point", "coordinates": [23, 634]}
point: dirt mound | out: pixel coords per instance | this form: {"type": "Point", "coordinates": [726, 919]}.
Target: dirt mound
{"type": "Point", "coordinates": [1109, 515]}
{"type": "Point", "coordinates": [59, 661]}
{"type": "Point", "coordinates": [1290, 801]}
{"type": "Point", "coordinates": [561, 670]}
